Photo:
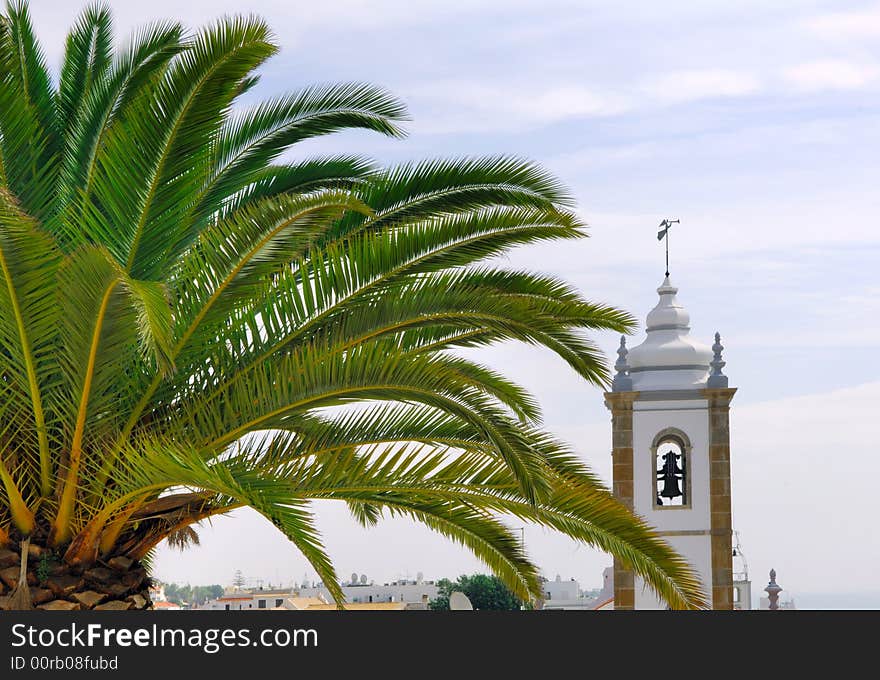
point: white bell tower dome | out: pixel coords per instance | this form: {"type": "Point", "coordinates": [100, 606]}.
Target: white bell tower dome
{"type": "Point", "coordinates": [671, 449]}
{"type": "Point", "coordinates": [669, 358]}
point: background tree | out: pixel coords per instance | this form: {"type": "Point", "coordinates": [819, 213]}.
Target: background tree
{"type": "Point", "coordinates": [190, 324]}
{"type": "Point", "coordinates": [484, 592]}
{"type": "Point", "coordinates": [191, 595]}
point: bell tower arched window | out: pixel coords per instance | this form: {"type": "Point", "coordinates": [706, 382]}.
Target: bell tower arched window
{"type": "Point", "coordinates": [671, 469]}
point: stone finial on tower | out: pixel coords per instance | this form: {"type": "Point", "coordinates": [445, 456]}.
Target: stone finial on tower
{"type": "Point", "coordinates": [716, 377]}
{"type": "Point", "coordinates": [622, 382]}
{"type": "Point", "coordinates": [773, 589]}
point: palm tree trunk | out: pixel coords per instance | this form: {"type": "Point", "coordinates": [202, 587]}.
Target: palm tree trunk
{"type": "Point", "coordinates": [33, 579]}
{"type": "Point", "coordinates": [20, 599]}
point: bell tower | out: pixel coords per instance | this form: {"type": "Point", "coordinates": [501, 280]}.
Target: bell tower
{"type": "Point", "coordinates": [669, 406]}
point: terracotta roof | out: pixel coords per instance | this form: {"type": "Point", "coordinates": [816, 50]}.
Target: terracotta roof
{"type": "Point", "coordinates": [607, 604]}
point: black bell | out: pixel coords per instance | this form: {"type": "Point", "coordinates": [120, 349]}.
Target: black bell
{"type": "Point", "coordinates": [670, 473]}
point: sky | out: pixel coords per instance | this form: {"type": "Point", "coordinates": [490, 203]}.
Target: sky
{"type": "Point", "coordinates": [754, 123]}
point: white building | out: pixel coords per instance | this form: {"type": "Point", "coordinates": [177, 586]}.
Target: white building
{"type": "Point", "coordinates": [414, 594]}
{"type": "Point", "coordinates": [157, 592]}
{"type": "Point", "coordinates": [560, 591]}
{"type": "Point", "coordinates": [568, 595]}
{"type": "Point", "coordinates": [237, 599]}
{"type": "Point", "coordinates": [671, 450]}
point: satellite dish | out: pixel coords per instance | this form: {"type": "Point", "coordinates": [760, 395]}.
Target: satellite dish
{"type": "Point", "coordinates": [459, 602]}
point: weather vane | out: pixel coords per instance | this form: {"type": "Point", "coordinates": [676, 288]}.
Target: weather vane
{"type": "Point", "coordinates": [664, 233]}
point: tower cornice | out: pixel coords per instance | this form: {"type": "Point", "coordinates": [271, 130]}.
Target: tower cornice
{"type": "Point", "coordinates": [618, 400]}
{"type": "Point", "coordinates": [718, 396]}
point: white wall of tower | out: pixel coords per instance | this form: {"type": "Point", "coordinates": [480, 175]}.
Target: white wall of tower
{"type": "Point", "coordinates": [698, 551]}
{"type": "Point", "coordinates": [691, 416]}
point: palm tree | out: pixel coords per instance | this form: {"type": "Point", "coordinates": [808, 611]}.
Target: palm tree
{"type": "Point", "coordinates": [191, 323]}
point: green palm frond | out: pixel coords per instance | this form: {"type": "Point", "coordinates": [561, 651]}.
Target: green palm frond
{"type": "Point", "coordinates": [138, 64]}
{"type": "Point", "coordinates": [311, 175]}
{"type": "Point", "coordinates": [87, 58]}
{"type": "Point", "coordinates": [30, 135]}
{"type": "Point", "coordinates": [28, 320]}
{"type": "Point", "coordinates": [251, 141]}
{"type": "Point", "coordinates": [154, 161]}
{"type": "Point", "coordinates": [432, 188]}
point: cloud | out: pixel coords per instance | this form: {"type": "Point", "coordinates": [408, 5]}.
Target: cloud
{"type": "Point", "coordinates": [803, 470]}
{"type": "Point", "coordinates": [515, 106]}
{"type": "Point", "coordinates": [569, 101]}
{"type": "Point", "coordinates": [845, 25]}
{"type": "Point", "coordinates": [694, 85]}
{"type": "Point", "coordinates": [446, 106]}
{"type": "Point", "coordinates": [830, 75]}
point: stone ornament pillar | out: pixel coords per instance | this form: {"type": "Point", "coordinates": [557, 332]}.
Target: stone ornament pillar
{"type": "Point", "coordinates": [773, 589]}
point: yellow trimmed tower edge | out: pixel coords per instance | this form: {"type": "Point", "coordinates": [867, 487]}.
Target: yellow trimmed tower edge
{"type": "Point", "coordinates": [621, 406]}
{"type": "Point", "coordinates": [719, 495]}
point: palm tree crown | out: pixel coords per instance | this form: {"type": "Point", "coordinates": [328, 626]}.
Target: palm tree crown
{"type": "Point", "coordinates": [191, 323]}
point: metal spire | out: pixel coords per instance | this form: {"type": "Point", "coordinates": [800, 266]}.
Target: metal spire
{"type": "Point", "coordinates": [664, 233]}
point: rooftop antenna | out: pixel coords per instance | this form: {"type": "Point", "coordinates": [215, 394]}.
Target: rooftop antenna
{"type": "Point", "coordinates": [738, 552]}
{"type": "Point", "coordinates": [664, 233]}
